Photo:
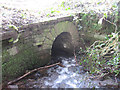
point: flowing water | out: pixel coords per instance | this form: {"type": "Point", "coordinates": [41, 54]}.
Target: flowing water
{"type": "Point", "coordinates": [70, 76]}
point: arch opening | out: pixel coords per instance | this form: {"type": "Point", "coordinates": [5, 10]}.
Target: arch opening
{"type": "Point", "coordinates": [62, 46]}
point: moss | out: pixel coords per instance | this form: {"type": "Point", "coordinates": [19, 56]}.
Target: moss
{"type": "Point", "coordinates": [30, 56]}
{"type": "Point", "coordinates": [53, 33]}
{"type": "Point", "coordinates": [5, 55]}
{"type": "Point", "coordinates": [61, 27]}
{"type": "Point", "coordinates": [39, 38]}
{"type": "Point", "coordinates": [26, 59]}
{"type": "Point", "coordinates": [49, 36]}
{"type": "Point", "coordinates": [48, 42]}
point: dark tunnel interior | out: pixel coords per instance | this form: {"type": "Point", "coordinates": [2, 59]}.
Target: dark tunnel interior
{"type": "Point", "coordinates": [62, 46]}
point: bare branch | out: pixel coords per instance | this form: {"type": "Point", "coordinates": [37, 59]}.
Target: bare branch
{"type": "Point", "coordinates": [34, 70]}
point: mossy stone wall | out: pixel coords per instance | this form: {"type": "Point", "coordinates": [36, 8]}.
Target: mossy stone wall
{"type": "Point", "coordinates": [33, 48]}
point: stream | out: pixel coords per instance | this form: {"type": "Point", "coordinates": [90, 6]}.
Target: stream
{"type": "Point", "coordinates": [70, 76]}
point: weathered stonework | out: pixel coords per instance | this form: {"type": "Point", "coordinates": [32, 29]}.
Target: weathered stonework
{"type": "Point", "coordinates": [13, 51]}
{"type": "Point", "coordinates": [33, 48]}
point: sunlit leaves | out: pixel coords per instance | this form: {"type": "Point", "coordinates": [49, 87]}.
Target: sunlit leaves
{"type": "Point", "coordinates": [105, 15]}
{"type": "Point", "coordinates": [117, 72]}
{"type": "Point", "coordinates": [67, 8]}
{"type": "Point", "coordinates": [99, 3]}
{"type": "Point", "coordinates": [63, 4]}
{"type": "Point", "coordinates": [23, 16]}
{"type": "Point", "coordinates": [14, 27]}
{"type": "Point", "coordinates": [11, 40]}
{"type": "Point", "coordinates": [39, 12]}
{"type": "Point", "coordinates": [16, 40]}
{"type": "Point", "coordinates": [114, 6]}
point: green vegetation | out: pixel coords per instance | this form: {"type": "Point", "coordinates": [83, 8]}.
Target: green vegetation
{"type": "Point", "coordinates": [62, 7]}
{"type": "Point", "coordinates": [27, 58]}
{"type": "Point", "coordinates": [23, 15]}
{"type": "Point", "coordinates": [102, 58]}
{"type": "Point", "coordinates": [17, 39]}
{"type": "Point", "coordinates": [52, 12]}
{"type": "Point", "coordinates": [14, 27]}
{"type": "Point", "coordinates": [63, 4]}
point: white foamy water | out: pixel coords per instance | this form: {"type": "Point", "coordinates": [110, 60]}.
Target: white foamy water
{"type": "Point", "coordinates": [70, 76]}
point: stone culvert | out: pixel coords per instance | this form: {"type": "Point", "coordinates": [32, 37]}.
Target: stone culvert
{"type": "Point", "coordinates": [46, 38]}
{"type": "Point", "coordinates": [34, 46]}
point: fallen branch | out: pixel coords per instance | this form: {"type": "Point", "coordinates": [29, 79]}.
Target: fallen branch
{"type": "Point", "coordinates": [34, 70]}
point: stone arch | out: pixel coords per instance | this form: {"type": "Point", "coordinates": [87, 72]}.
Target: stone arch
{"type": "Point", "coordinates": [36, 49]}
{"type": "Point", "coordinates": [49, 35]}
{"type": "Point", "coordinates": [62, 45]}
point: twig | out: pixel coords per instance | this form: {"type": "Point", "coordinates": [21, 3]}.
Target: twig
{"type": "Point", "coordinates": [34, 70]}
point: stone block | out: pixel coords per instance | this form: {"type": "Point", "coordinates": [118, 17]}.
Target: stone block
{"type": "Point", "coordinates": [38, 38]}
{"type": "Point", "coordinates": [13, 50]}
{"type": "Point", "coordinates": [49, 36]}
{"type": "Point", "coordinates": [53, 33]}
{"type": "Point", "coordinates": [46, 46]}
{"type": "Point", "coordinates": [48, 41]}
